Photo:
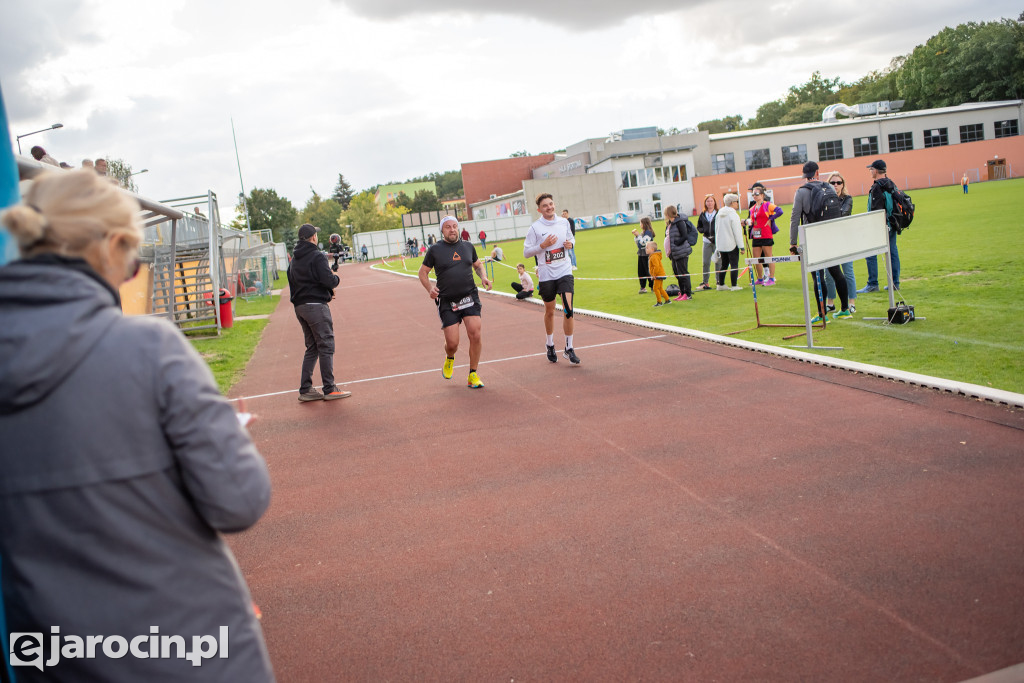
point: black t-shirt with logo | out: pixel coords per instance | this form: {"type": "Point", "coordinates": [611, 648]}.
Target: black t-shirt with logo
{"type": "Point", "coordinates": [453, 266]}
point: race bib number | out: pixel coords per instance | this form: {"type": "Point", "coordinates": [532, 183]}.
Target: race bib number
{"type": "Point", "coordinates": [464, 302]}
{"type": "Point", "coordinates": [554, 255]}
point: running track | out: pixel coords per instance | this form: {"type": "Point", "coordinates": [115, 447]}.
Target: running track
{"type": "Point", "coordinates": [672, 509]}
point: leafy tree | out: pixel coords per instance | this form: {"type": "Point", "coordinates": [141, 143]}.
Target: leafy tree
{"type": "Point", "coordinates": [363, 215]}
{"type": "Point", "coordinates": [817, 90]}
{"type": "Point", "coordinates": [971, 62]}
{"type": "Point", "coordinates": [269, 211]}
{"type": "Point", "coordinates": [727, 124]}
{"type": "Point", "coordinates": [768, 114]}
{"type": "Point", "coordinates": [122, 171]}
{"type": "Point", "coordinates": [808, 112]}
{"type": "Point", "coordinates": [323, 213]}
{"type": "Point", "coordinates": [520, 153]}
{"type": "Point", "coordinates": [425, 200]}
{"type": "Point", "coordinates": [342, 192]}
{"type": "Point", "coordinates": [402, 200]}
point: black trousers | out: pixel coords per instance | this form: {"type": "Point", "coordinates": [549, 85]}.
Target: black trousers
{"type": "Point", "coordinates": [730, 262]}
{"type": "Point", "coordinates": [681, 269]}
{"type": "Point", "coordinates": [643, 272]}
{"type": "Point", "coordinates": [819, 287]}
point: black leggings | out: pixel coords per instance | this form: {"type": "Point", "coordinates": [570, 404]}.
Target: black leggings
{"type": "Point", "coordinates": [819, 287]}
{"type": "Point", "coordinates": [520, 292]}
{"type": "Point", "coordinates": [643, 272]}
{"type": "Point", "coordinates": [730, 262]}
{"type": "Point", "coordinates": [680, 267]}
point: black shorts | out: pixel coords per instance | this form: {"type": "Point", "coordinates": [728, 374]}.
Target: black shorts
{"type": "Point", "coordinates": [452, 312]}
{"type": "Point", "coordinates": [549, 289]}
{"type": "Point", "coordinates": [763, 242]}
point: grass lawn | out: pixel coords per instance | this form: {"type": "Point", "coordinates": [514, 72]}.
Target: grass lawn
{"type": "Point", "coordinates": [960, 269]}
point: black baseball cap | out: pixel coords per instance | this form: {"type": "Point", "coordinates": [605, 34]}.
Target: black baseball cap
{"type": "Point", "coordinates": [878, 165]}
{"type": "Point", "coordinates": [307, 230]}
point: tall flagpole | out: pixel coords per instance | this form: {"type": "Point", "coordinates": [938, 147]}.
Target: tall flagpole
{"type": "Point", "coordinates": [245, 207]}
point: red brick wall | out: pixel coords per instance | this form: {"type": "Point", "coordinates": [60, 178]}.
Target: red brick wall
{"type": "Point", "coordinates": [481, 179]}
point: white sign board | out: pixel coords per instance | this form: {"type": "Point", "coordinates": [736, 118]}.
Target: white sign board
{"type": "Point", "coordinates": [844, 239]}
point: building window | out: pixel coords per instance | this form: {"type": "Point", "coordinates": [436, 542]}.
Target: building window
{"type": "Point", "coordinates": [936, 137]}
{"type": "Point", "coordinates": [479, 213]}
{"type": "Point", "coordinates": [794, 154]}
{"type": "Point", "coordinates": [1006, 129]}
{"type": "Point", "coordinates": [722, 163]}
{"type": "Point", "coordinates": [972, 132]}
{"type": "Point", "coordinates": [633, 207]}
{"type": "Point", "coordinates": [657, 211]}
{"type": "Point", "coordinates": [863, 147]}
{"type": "Point", "coordinates": [757, 158]}
{"type": "Point", "coordinates": [828, 151]}
{"type": "Point", "coordinates": [901, 142]}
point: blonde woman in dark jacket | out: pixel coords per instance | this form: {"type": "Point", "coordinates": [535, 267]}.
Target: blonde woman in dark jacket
{"type": "Point", "coordinates": [122, 464]}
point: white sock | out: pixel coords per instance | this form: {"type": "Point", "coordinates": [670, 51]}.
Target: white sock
{"type": "Point", "coordinates": [568, 342]}
{"type": "Point", "coordinates": [551, 340]}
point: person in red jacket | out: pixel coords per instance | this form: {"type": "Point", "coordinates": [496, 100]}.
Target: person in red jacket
{"type": "Point", "coordinates": [760, 219]}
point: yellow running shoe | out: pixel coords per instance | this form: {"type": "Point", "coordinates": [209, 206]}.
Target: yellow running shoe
{"type": "Point", "coordinates": [448, 368]}
{"type": "Point", "coordinates": [474, 381]}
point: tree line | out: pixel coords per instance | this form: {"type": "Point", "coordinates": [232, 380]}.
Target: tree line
{"type": "Point", "coordinates": [973, 62]}
{"type": "Point", "coordinates": [344, 212]}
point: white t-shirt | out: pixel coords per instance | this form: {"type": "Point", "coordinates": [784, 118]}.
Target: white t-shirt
{"type": "Point", "coordinates": [553, 262]}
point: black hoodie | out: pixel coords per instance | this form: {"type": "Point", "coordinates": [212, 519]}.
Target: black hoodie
{"type": "Point", "coordinates": [309, 276]}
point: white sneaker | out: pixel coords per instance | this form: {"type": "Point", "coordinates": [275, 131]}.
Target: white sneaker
{"type": "Point", "coordinates": [737, 288]}
{"type": "Point", "coordinates": [722, 288]}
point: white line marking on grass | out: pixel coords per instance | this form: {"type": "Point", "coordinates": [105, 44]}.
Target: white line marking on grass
{"type": "Point", "coordinates": [464, 365]}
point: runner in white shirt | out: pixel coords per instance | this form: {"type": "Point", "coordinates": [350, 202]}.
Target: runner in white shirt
{"type": "Point", "coordinates": [551, 236]}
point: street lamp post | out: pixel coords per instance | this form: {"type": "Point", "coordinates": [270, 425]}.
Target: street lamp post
{"type": "Point", "coordinates": [41, 130]}
{"type": "Point", "coordinates": [145, 170]}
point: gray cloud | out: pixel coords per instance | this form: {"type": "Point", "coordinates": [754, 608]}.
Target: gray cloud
{"type": "Point", "coordinates": [575, 14]}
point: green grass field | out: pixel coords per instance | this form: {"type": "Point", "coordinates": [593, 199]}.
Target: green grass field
{"type": "Point", "coordinates": [960, 269]}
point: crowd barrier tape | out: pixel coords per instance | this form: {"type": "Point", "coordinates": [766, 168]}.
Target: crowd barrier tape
{"type": "Point", "coordinates": [630, 278]}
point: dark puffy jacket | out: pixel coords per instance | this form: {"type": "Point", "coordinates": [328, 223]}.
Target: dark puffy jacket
{"type": "Point", "coordinates": [309, 276]}
{"type": "Point", "coordinates": [678, 231]}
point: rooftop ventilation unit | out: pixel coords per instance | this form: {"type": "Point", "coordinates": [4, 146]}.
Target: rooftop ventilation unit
{"type": "Point", "coordinates": [867, 109]}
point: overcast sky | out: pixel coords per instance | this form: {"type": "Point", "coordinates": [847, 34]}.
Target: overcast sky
{"type": "Point", "coordinates": [384, 90]}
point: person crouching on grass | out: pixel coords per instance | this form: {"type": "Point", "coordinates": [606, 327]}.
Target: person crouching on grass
{"type": "Point", "coordinates": [657, 271]}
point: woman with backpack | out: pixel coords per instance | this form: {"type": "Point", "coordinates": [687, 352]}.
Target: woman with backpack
{"type": "Point", "coordinates": [681, 236]}
{"type": "Point", "coordinates": [760, 220]}
{"type": "Point", "coordinates": [839, 185]}
{"type": "Point", "coordinates": [706, 227]}
{"type": "Point", "coordinates": [642, 237]}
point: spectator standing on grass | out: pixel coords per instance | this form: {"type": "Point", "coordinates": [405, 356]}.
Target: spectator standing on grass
{"type": "Point", "coordinates": [965, 182]}
{"type": "Point", "coordinates": [483, 240]}
{"type": "Point", "coordinates": [761, 218]}
{"type": "Point", "coordinates": [642, 237]}
{"type": "Point", "coordinates": [706, 227]}
{"type": "Point", "coordinates": [657, 270]}
{"type": "Point", "coordinates": [876, 200]}
{"type": "Point", "coordinates": [679, 232]}
{"type": "Point", "coordinates": [803, 214]}
{"type": "Point", "coordinates": [464, 235]}
{"type": "Point", "coordinates": [839, 184]}
{"type": "Point", "coordinates": [312, 284]}
{"type": "Point", "coordinates": [729, 241]}
{"type": "Point", "coordinates": [122, 463]}
{"type": "Point", "coordinates": [572, 228]}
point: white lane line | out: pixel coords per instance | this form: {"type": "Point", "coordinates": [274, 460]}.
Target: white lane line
{"type": "Point", "coordinates": [424, 372]}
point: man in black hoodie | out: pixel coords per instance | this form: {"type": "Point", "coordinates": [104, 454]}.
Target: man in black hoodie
{"type": "Point", "coordinates": [312, 284]}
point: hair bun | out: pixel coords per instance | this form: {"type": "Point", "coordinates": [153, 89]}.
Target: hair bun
{"type": "Point", "coordinates": [26, 224]}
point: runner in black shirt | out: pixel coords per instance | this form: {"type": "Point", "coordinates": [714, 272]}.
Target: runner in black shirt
{"type": "Point", "coordinates": [453, 261]}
